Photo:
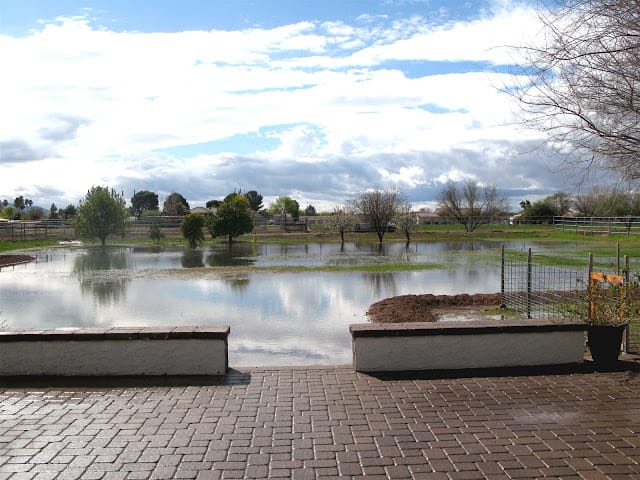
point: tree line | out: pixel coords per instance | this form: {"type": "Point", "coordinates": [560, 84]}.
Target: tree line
{"type": "Point", "coordinates": [23, 209]}
{"type": "Point", "coordinates": [146, 203]}
{"type": "Point", "coordinates": [103, 212]}
{"type": "Point", "coordinates": [600, 202]}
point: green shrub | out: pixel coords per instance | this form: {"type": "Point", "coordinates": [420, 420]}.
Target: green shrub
{"type": "Point", "coordinates": [155, 233]}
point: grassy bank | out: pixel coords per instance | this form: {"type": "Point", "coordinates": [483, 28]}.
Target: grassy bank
{"type": "Point", "coordinates": [598, 245]}
{"type": "Point", "coordinates": [9, 245]}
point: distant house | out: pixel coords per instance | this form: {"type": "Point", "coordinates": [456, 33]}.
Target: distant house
{"type": "Point", "coordinates": [424, 217]}
{"type": "Point", "coordinates": [203, 211]}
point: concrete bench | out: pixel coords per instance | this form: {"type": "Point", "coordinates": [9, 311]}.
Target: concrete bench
{"type": "Point", "coordinates": [466, 344]}
{"type": "Point", "coordinates": [197, 350]}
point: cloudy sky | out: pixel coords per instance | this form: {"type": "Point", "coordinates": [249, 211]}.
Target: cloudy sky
{"type": "Point", "coordinates": [318, 100]}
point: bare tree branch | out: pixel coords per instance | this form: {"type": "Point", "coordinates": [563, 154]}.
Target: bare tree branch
{"type": "Point", "coordinates": [379, 208]}
{"type": "Point", "coordinates": [471, 205]}
{"type": "Point", "coordinates": [583, 83]}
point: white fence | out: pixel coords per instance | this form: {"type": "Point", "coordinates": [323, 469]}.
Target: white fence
{"type": "Point", "coordinates": [599, 225]}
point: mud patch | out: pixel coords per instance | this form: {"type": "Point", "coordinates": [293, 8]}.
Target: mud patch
{"type": "Point", "coordinates": [8, 260]}
{"type": "Point", "coordinates": [430, 308]}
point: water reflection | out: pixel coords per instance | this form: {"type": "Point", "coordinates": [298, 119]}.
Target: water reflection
{"type": "Point", "coordinates": [149, 249]}
{"type": "Point", "coordinates": [275, 319]}
{"type": "Point", "coordinates": [381, 282]}
{"type": "Point", "coordinates": [107, 289]}
{"type": "Point", "coordinates": [193, 259]}
{"type": "Point", "coordinates": [232, 255]}
{"type": "Point", "coordinates": [240, 284]}
{"type": "Point", "coordinates": [96, 259]}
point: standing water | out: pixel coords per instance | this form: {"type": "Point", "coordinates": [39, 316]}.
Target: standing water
{"type": "Point", "coordinates": [276, 317]}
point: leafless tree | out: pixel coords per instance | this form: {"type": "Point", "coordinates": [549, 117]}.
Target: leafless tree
{"type": "Point", "coordinates": [379, 208]}
{"type": "Point", "coordinates": [343, 220]}
{"type": "Point", "coordinates": [405, 220]}
{"type": "Point", "coordinates": [583, 84]}
{"type": "Point", "coordinates": [587, 203]}
{"type": "Point", "coordinates": [562, 202]}
{"type": "Point", "coordinates": [608, 202]}
{"type": "Point", "coordinates": [470, 204]}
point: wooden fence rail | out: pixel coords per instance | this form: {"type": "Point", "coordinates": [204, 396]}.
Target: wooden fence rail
{"type": "Point", "coordinates": [29, 230]}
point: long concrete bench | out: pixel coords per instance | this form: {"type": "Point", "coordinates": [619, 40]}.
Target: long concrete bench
{"type": "Point", "coordinates": [466, 344]}
{"type": "Point", "coordinates": [200, 350]}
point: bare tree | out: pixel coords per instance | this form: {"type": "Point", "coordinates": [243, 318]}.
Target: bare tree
{"type": "Point", "coordinates": [562, 202]}
{"type": "Point", "coordinates": [583, 83]}
{"type": "Point", "coordinates": [608, 202]}
{"type": "Point", "coordinates": [587, 204]}
{"type": "Point", "coordinates": [342, 220]}
{"type": "Point", "coordinates": [470, 204]}
{"type": "Point", "coordinates": [379, 208]}
{"type": "Point", "coordinates": [405, 220]}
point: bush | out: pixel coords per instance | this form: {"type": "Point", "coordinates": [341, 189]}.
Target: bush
{"type": "Point", "coordinates": [155, 233]}
{"type": "Point", "coordinates": [192, 229]}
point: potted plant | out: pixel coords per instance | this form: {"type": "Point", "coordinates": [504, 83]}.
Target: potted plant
{"type": "Point", "coordinates": [610, 307]}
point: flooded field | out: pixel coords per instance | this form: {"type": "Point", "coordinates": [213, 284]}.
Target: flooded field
{"type": "Point", "coordinates": [277, 317]}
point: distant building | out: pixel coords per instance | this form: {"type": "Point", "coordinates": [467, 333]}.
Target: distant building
{"type": "Point", "coordinates": [425, 217]}
{"type": "Point", "coordinates": [203, 211]}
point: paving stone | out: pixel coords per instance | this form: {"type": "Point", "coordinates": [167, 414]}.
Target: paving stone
{"type": "Point", "coordinates": [326, 422]}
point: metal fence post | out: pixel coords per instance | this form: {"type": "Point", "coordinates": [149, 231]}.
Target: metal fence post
{"type": "Point", "coordinates": [627, 334]}
{"type": "Point", "coordinates": [589, 283]}
{"type": "Point", "coordinates": [502, 302]}
{"type": "Point", "coordinates": [529, 284]}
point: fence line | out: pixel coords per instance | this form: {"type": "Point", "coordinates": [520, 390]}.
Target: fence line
{"type": "Point", "coordinates": [537, 291]}
{"type": "Point", "coordinates": [63, 229]}
{"type": "Point", "coordinates": [28, 230]}
{"type": "Point", "coordinates": [547, 291]}
{"type": "Point", "coordinates": [599, 225]}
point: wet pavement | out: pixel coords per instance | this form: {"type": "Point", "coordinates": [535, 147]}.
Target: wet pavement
{"type": "Point", "coordinates": [326, 422]}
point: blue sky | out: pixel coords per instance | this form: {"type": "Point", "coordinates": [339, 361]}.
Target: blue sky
{"type": "Point", "coordinates": [315, 100]}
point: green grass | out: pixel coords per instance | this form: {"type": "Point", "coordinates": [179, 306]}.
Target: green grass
{"type": "Point", "coordinates": [570, 249]}
{"type": "Point", "coordinates": [241, 270]}
{"type": "Point", "coordinates": [9, 245]}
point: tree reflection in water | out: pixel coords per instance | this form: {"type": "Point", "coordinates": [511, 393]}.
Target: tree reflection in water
{"type": "Point", "coordinates": [238, 284]}
{"type": "Point", "coordinates": [97, 272]}
{"type": "Point", "coordinates": [232, 255]}
{"type": "Point", "coordinates": [382, 283]}
{"type": "Point", "coordinates": [193, 259]}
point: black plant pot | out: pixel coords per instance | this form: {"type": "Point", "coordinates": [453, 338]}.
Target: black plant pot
{"type": "Point", "coordinates": [604, 343]}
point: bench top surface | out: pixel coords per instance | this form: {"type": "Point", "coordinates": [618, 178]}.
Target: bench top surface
{"type": "Point", "coordinates": [466, 327]}
{"type": "Point", "coordinates": [116, 333]}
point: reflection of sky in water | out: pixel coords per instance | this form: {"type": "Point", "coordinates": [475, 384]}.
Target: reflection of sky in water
{"type": "Point", "coordinates": [275, 319]}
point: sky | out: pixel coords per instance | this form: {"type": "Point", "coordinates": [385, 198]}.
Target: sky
{"type": "Point", "coordinates": [316, 100]}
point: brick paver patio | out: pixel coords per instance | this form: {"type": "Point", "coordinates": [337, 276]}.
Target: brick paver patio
{"type": "Point", "coordinates": [312, 423]}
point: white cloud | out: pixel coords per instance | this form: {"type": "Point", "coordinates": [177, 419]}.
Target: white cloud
{"type": "Point", "coordinates": [89, 105]}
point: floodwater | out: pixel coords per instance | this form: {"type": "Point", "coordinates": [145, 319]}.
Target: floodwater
{"type": "Point", "coordinates": [276, 318]}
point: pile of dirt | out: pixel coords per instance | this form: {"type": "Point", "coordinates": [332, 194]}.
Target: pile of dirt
{"type": "Point", "coordinates": [427, 307]}
{"type": "Point", "coordinates": [8, 260]}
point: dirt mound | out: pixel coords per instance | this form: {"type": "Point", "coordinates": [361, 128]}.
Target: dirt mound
{"type": "Point", "coordinates": [7, 260]}
{"type": "Point", "coordinates": [427, 307]}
